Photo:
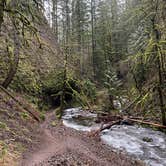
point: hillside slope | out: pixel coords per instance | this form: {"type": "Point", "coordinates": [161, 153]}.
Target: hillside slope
{"type": "Point", "coordinates": [39, 55]}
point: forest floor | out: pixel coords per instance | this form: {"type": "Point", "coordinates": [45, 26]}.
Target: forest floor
{"type": "Point", "coordinates": [62, 146]}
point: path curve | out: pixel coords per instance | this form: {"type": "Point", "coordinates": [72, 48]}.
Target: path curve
{"type": "Point", "coordinates": [64, 146]}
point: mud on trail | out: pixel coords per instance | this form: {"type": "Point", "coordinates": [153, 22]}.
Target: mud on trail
{"type": "Point", "coordinates": [62, 146]}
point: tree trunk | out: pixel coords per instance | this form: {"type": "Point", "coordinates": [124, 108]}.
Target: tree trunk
{"type": "Point", "coordinates": [111, 100]}
{"type": "Point", "coordinates": [62, 98]}
{"type": "Point", "coordinates": [161, 96]}
{"type": "Point", "coordinates": [2, 6]}
{"type": "Point", "coordinates": [93, 38]}
{"type": "Point", "coordinates": [157, 37]}
{"type": "Point", "coordinates": [67, 10]}
{"type": "Point", "coordinates": [56, 20]}
{"type": "Point", "coordinates": [14, 64]}
{"type": "Point", "coordinates": [55, 17]}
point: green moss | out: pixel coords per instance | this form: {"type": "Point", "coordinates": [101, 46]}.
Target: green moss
{"type": "Point", "coordinates": [24, 115]}
{"type": "Point", "coordinates": [3, 126]}
{"type": "Point", "coordinates": [58, 113]}
{"type": "Point", "coordinates": [42, 116]}
{"type": "Point", "coordinates": [89, 89]}
{"type": "Point", "coordinates": [4, 111]}
{"type": "Point", "coordinates": [54, 123]}
{"type": "Point", "coordinates": [3, 150]}
{"type": "Point", "coordinates": [26, 80]}
{"type": "Point", "coordinates": [19, 147]}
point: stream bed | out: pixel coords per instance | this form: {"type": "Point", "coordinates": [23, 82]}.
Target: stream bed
{"type": "Point", "coordinates": [142, 143]}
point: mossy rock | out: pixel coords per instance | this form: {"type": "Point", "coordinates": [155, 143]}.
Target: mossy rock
{"type": "Point", "coordinates": [54, 123]}
{"type": "Point", "coordinates": [147, 139]}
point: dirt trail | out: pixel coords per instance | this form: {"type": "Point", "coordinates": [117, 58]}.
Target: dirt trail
{"type": "Point", "coordinates": [64, 146]}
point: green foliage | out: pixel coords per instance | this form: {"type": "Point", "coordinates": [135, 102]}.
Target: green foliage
{"type": "Point", "coordinates": [139, 71]}
{"type": "Point", "coordinates": [42, 116]}
{"type": "Point", "coordinates": [76, 91]}
{"type": "Point", "coordinates": [144, 100]}
{"type": "Point", "coordinates": [24, 115]}
{"type": "Point", "coordinates": [58, 113]}
{"type": "Point", "coordinates": [54, 123]}
{"type": "Point", "coordinates": [100, 65]}
{"type": "Point", "coordinates": [53, 86]}
{"type": "Point", "coordinates": [26, 80]}
{"type": "Point", "coordinates": [89, 89]}
{"type": "Point", "coordinates": [4, 149]}
{"type": "Point", "coordinates": [113, 86]}
{"type": "Point", "coordinates": [112, 83]}
{"type": "Point", "coordinates": [3, 126]}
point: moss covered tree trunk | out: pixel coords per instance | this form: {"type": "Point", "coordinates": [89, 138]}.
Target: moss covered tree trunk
{"type": "Point", "coordinates": [2, 6]}
{"type": "Point", "coordinates": [158, 54]}
{"type": "Point", "coordinates": [15, 61]}
{"type": "Point", "coordinates": [62, 97]}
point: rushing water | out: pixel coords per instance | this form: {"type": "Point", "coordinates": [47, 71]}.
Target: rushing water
{"type": "Point", "coordinates": [78, 119]}
{"type": "Point", "coordinates": [143, 143]}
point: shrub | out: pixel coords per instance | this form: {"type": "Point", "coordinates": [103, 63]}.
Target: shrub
{"type": "Point", "coordinates": [53, 85]}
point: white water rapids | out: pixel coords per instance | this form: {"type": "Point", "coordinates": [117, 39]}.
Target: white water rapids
{"type": "Point", "coordinates": [143, 143]}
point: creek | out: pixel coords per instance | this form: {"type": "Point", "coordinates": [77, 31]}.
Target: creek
{"type": "Point", "coordinates": [141, 143]}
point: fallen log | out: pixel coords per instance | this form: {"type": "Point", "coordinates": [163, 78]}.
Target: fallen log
{"type": "Point", "coordinates": [121, 121]}
{"type": "Point", "coordinates": [108, 118]}
{"type": "Point", "coordinates": [147, 123]}
{"type": "Point", "coordinates": [103, 127]}
{"type": "Point", "coordinates": [31, 111]}
{"type": "Point", "coordinates": [139, 118]}
{"type": "Point", "coordinates": [108, 126]}
{"type": "Point", "coordinates": [128, 120]}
